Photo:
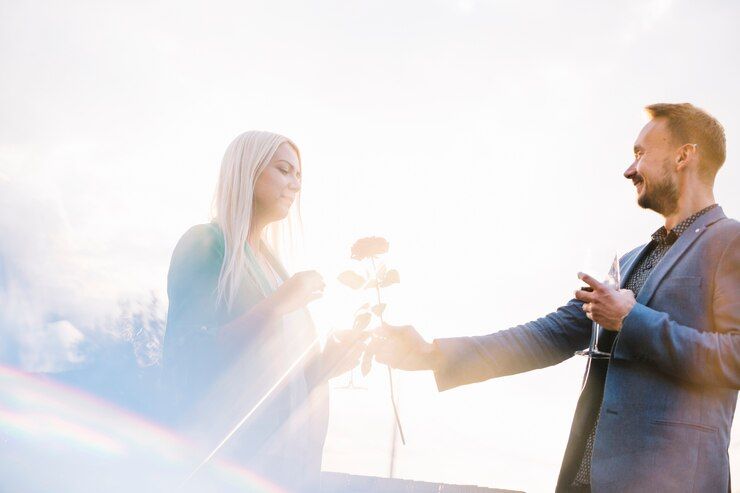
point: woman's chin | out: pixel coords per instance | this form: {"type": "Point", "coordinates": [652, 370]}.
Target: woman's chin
{"type": "Point", "coordinates": [279, 214]}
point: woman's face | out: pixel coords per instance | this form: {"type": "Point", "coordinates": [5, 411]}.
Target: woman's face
{"type": "Point", "coordinates": [277, 185]}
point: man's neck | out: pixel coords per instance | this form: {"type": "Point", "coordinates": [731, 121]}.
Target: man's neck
{"type": "Point", "coordinates": [689, 204]}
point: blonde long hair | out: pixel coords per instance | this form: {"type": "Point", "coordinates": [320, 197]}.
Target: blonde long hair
{"type": "Point", "coordinates": [233, 207]}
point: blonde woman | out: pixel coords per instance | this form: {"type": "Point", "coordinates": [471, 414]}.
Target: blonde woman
{"type": "Point", "coordinates": [238, 322]}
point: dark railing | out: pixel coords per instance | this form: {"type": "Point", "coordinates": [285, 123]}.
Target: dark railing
{"type": "Point", "coordinates": [334, 482]}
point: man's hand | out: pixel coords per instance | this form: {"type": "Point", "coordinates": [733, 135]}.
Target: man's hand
{"type": "Point", "coordinates": [605, 305]}
{"type": "Point", "coordinates": [402, 347]}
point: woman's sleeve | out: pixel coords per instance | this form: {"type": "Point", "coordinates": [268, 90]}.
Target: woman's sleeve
{"type": "Point", "coordinates": [192, 318]}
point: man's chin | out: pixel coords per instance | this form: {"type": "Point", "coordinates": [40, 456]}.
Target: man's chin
{"type": "Point", "coordinates": [646, 203]}
{"type": "Point", "coordinates": [643, 201]}
{"type": "Point", "coordinates": [660, 206]}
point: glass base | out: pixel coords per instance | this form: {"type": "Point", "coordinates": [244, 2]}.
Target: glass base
{"type": "Point", "coordinates": [593, 353]}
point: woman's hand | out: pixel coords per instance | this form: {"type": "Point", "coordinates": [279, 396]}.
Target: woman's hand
{"type": "Point", "coordinates": [343, 351]}
{"type": "Point", "coordinates": [295, 293]}
{"type": "Point", "coordinates": [301, 289]}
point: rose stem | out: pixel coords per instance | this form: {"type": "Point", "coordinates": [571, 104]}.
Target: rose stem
{"type": "Point", "coordinates": [390, 372]}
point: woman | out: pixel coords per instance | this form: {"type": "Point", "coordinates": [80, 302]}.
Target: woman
{"type": "Point", "coordinates": [237, 323]}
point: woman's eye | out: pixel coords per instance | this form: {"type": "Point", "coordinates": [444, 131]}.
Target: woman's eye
{"type": "Point", "coordinates": [284, 171]}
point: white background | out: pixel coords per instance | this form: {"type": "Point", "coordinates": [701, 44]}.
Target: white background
{"type": "Point", "coordinates": [485, 139]}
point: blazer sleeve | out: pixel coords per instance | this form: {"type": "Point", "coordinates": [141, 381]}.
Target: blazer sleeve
{"type": "Point", "coordinates": [710, 357]}
{"type": "Point", "coordinates": [192, 318]}
{"type": "Point", "coordinates": [543, 342]}
{"type": "Point", "coordinates": [192, 282]}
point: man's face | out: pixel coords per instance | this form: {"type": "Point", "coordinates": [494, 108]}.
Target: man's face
{"type": "Point", "coordinates": [653, 171]}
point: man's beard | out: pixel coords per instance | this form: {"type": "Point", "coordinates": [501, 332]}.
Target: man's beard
{"type": "Point", "coordinates": [662, 196]}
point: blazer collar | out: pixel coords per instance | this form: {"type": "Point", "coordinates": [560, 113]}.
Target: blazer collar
{"type": "Point", "coordinates": [257, 273]}
{"type": "Point", "coordinates": [274, 262]}
{"type": "Point", "coordinates": [674, 253]}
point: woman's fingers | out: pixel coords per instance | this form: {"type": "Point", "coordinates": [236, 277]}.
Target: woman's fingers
{"type": "Point", "coordinates": [313, 297]}
{"type": "Point", "coordinates": [311, 278]}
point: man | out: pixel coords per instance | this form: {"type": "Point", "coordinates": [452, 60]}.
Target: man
{"type": "Point", "coordinates": [656, 415]}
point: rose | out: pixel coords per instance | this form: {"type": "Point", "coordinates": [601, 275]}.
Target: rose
{"type": "Point", "coordinates": [369, 247]}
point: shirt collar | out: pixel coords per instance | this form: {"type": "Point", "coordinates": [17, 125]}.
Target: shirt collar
{"type": "Point", "coordinates": [670, 237]}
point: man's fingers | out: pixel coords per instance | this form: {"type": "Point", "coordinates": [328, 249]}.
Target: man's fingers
{"type": "Point", "coordinates": [589, 280]}
{"type": "Point", "coordinates": [383, 350]}
{"type": "Point", "coordinates": [387, 331]}
{"type": "Point", "coordinates": [382, 331]}
{"type": "Point", "coordinates": [387, 357]}
{"type": "Point", "coordinates": [585, 296]}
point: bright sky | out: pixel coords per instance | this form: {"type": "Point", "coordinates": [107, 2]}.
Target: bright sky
{"type": "Point", "coordinates": [484, 139]}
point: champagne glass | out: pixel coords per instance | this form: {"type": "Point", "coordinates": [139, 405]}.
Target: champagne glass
{"type": "Point", "coordinates": [351, 385]}
{"type": "Point", "coordinates": [613, 280]}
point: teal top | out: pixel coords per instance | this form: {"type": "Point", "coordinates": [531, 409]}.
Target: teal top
{"type": "Point", "coordinates": [210, 387]}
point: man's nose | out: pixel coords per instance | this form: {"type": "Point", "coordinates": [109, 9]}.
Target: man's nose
{"type": "Point", "coordinates": [630, 172]}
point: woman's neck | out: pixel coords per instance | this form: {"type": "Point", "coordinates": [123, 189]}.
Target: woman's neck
{"type": "Point", "coordinates": [255, 234]}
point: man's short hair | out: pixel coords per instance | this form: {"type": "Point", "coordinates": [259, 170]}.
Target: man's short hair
{"type": "Point", "coordinates": [692, 125]}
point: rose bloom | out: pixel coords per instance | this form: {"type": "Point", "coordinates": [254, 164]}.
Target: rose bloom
{"type": "Point", "coordinates": [369, 247]}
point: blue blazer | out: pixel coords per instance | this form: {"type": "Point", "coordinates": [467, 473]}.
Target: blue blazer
{"type": "Point", "coordinates": [670, 387]}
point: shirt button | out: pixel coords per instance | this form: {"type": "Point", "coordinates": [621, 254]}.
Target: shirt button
{"type": "Point", "coordinates": [697, 230]}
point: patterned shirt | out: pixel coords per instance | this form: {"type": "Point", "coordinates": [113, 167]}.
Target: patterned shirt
{"type": "Point", "coordinates": [662, 242]}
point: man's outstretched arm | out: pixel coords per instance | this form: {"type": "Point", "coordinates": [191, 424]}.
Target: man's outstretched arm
{"type": "Point", "coordinates": [462, 360]}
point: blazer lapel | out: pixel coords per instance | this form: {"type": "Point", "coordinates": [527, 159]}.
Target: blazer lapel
{"type": "Point", "coordinates": [629, 264]}
{"type": "Point", "coordinates": [255, 271]}
{"type": "Point", "coordinates": [676, 252]}
{"type": "Point", "coordinates": [275, 263]}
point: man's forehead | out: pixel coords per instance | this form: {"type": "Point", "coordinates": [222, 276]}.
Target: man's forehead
{"type": "Point", "coordinates": [655, 131]}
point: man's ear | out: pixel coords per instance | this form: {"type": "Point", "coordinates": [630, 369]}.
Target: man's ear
{"type": "Point", "coordinates": [687, 154]}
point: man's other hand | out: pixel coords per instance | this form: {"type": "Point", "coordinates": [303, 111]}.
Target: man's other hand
{"type": "Point", "coordinates": [605, 305]}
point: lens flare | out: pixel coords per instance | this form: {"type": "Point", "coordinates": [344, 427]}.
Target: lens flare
{"type": "Point", "coordinates": [252, 411]}
{"type": "Point", "coordinates": [56, 438]}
